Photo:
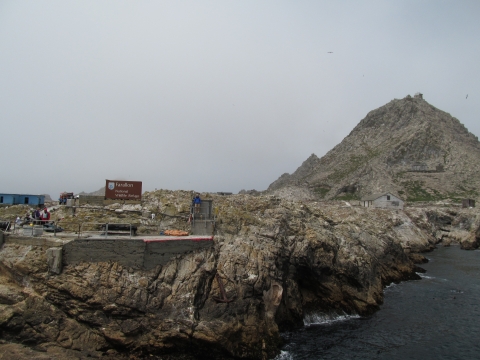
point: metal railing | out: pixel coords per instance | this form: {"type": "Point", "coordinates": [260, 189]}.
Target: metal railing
{"type": "Point", "coordinates": [105, 229]}
{"type": "Point", "coordinates": [14, 227]}
{"type": "Point", "coordinates": [203, 218]}
{"type": "Point", "coordinates": [5, 225]}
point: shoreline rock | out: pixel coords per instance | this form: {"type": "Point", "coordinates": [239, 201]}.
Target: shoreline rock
{"type": "Point", "coordinates": [277, 260]}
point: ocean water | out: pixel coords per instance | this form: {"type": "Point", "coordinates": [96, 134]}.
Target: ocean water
{"type": "Point", "coordinates": [435, 318]}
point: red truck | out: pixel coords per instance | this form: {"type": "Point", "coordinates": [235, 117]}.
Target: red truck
{"type": "Point", "coordinates": [62, 200]}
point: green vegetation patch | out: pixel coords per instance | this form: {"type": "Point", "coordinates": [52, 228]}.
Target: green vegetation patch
{"type": "Point", "coordinates": [416, 192]}
{"type": "Point", "coordinates": [353, 164]}
{"type": "Point", "coordinates": [347, 197]}
{"type": "Point", "coordinates": [464, 194]}
{"type": "Point", "coordinates": [321, 191]}
{"type": "Point", "coordinates": [397, 177]}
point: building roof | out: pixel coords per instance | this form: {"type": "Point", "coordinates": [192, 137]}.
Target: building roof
{"type": "Point", "coordinates": [21, 194]}
{"type": "Point", "coordinates": [376, 196]}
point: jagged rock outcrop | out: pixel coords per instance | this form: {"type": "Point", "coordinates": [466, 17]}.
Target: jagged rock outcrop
{"type": "Point", "coordinates": [276, 259]}
{"type": "Point", "coordinates": [407, 147]}
{"type": "Point", "coordinates": [449, 225]}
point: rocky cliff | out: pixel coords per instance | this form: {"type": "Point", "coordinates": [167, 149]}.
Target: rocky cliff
{"type": "Point", "coordinates": [407, 147]}
{"type": "Point", "coordinates": [277, 261]}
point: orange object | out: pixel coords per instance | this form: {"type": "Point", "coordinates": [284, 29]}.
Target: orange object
{"type": "Point", "coordinates": [175, 233]}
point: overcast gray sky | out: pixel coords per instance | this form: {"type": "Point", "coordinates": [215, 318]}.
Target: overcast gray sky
{"type": "Point", "coordinates": [214, 95]}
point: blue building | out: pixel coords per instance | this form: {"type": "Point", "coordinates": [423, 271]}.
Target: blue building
{"type": "Point", "coordinates": [22, 199]}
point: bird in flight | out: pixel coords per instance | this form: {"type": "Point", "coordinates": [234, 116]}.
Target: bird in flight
{"type": "Point", "coordinates": [330, 52]}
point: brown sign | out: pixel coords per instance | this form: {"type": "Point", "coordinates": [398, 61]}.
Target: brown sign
{"type": "Point", "coordinates": [123, 190]}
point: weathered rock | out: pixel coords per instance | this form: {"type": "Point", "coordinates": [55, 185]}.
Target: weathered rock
{"type": "Point", "coordinates": [469, 242]}
{"type": "Point", "coordinates": [277, 261]}
{"type": "Point", "coordinates": [54, 260]}
{"type": "Point", "coordinates": [257, 256]}
{"type": "Point", "coordinates": [449, 225]}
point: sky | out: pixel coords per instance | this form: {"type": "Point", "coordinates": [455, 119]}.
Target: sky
{"type": "Point", "coordinates": [214, 95]}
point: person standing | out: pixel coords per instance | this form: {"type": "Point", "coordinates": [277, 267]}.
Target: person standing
{"type": "Point", "coordinates": [197, 202]}
{"type": "Point", "coordinates": [36, 215]}
{"type": "Point", "coordinates": [45, 216]}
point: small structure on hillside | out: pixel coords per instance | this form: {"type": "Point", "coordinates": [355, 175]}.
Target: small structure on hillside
{"type": "Point", "coordinates": [418, 95]}
{"type": "Point", "coordinates": [468, 203]}
{"type": "Point", "coordinates": [22, 199]}
{"type": "Point", "coordinates": [422, 167]}
{"type": "Point", "coordinates": [383, 201]}
{"type": "Point", "coordinates": [419, 167]}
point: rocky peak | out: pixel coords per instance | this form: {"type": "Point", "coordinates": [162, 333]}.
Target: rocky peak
{"type": "Point", "coordinates": [406, 146]}
{"type": "Point", "coordinates": [299, 174]}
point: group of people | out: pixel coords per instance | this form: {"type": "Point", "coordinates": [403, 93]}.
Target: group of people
{"type": "Point", "coordinates": [37, 217]}
{"type": "Point", "coordinates": [62, 200]}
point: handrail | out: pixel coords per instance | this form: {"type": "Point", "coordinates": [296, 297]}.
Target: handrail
{"type": "Point", "coordinates": [206, 219]}
{"type": "Point", "coordinates": [7, 223]}
{"type": "Point", "coordinates": [80, 226]}
{"type": "Point", "coordinates": [16, 228]}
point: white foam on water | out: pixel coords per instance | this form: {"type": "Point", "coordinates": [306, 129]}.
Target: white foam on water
{"type": "Point", "coordinates": [284, 355]}
{"type": "Point", "coordinates": [322, 318]}
{"type": "Point", "coordinates": [390, 286]}
{"type": "Point", "coordinates": [423, 276]}
{"type": "Point", "coordinates": [456, 291]}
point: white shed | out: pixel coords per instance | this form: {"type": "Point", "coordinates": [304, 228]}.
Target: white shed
{"type": "Point", "coordinates": [383, 200]}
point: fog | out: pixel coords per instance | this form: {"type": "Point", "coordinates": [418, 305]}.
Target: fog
{"type": "Point", "coordinates": [214, 95]}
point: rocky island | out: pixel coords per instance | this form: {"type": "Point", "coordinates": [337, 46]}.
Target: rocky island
{"type": "Point", "coordinates": [277, 257]}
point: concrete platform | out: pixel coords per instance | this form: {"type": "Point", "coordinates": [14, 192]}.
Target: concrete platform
{"type": "Point", "coordinates": [42, 241]}
{"type": "Point", "coordinates": [141, 252]}
{"type": "Point", "coordinates": [178, 238]}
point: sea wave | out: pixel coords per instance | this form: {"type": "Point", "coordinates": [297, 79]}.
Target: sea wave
{"type": "Point", "coordinates": [423, 276]}
{"type": "Point", "coordinates": [323, 318]}
{"type": "Point", "coordinates": [284, 355]}
{"type": "Point", "coordinates": [390, 286]}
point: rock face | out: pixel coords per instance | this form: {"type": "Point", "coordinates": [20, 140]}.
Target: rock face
{"type": "Point", "coordinates": [274, 262]}
{"type": "Point", "coordinates": [407, 147]}
{"type": "Point", "coordinates": [449, 225]}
